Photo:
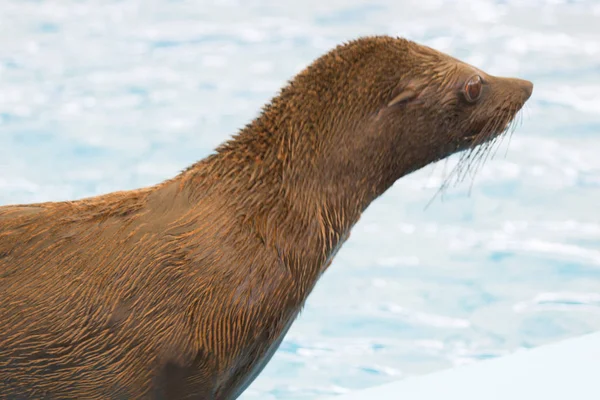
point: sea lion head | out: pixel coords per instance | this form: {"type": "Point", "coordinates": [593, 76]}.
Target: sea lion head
{"type": "Point", "coordinates": [370, 111]}
{"type": "Point", "coordinates": [390, 106]}
{"type": "Point", "coordinates": [453, 105]}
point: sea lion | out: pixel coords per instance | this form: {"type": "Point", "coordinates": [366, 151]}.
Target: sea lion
{"type": "Point", "coordinates": [185, 289]}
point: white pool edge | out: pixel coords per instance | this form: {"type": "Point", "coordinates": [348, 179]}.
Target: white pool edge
{"type": "Point", "coordinates": [560, 371]}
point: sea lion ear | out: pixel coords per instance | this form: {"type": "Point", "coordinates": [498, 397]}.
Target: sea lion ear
{"type": "Point", "coordinates": [406, 94]}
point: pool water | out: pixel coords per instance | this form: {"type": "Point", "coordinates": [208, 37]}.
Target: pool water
{"type": "Point", "coordinates": [97, 96]}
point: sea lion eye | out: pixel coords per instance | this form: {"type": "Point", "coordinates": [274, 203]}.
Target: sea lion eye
{"type": "Point", "coordinates": [473, 88]}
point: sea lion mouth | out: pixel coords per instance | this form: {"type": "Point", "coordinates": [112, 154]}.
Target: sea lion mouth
{"type": "Point", "coordinates": [477, 144]}
{"type": "Point", "coordinates": [491, 129]}
{"type": "Point", "coordinates": [482, 136]}
{"type": "Point", "coordinates": [477, 137]}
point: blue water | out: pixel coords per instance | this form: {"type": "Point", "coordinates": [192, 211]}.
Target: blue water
{"type": "Point", "coordinates": [97, 96]}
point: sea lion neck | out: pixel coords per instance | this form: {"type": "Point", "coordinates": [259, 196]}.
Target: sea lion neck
{"type": "Point", "coordinates": [281, 182]}
{"type": "Point", "coordinates": [314, 149]}
{"type": "Point", "coordinates": [279, 175]}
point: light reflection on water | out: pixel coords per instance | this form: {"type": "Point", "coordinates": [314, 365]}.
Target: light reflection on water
{"type": "Point", "coordinates": [96, 97]}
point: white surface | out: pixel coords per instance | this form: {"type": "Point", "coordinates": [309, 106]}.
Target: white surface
{"type": "Point", "coordinates": [564, 370]}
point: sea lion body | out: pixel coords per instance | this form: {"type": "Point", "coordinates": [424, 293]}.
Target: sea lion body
{"type": "Point", "coordinates": [184, 290]}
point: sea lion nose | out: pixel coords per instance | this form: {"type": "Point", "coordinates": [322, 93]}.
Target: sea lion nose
{"type": "Point", "coordinates": [526, 86]}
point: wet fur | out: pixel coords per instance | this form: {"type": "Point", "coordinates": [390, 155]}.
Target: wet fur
{"type": "Point", "coordinates": [185, 289]}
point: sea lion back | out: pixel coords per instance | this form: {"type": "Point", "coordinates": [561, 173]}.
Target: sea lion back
{"type": "Point", "coordinates": [73, 318]}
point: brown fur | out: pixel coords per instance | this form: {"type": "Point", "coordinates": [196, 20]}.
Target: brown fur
{"type": "Point", "coordinates": [185, 289]}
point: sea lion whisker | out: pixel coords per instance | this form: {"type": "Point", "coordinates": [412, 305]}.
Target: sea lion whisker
{"type": "Point", "coordinates": [485, 156]}
{"type": "Point", "coordinates": [507, 132]}
{"type": "Point", "coordinates": [513, 126]}
{"type": "Point", "coordinates": [443, 186]}
{"type": "Point", "coordinates": [477, 162]}
{"type": "Point", "coordinates": [510, 130]}
{"type": "Point", "coordinates": [478, 146]}
{"type": "Point", "coordinates": [472, 160]}
{"type": "Point", "coordinates": [499, 139]}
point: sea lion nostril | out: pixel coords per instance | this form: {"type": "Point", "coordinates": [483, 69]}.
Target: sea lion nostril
{"type": "Point", "coordinates": [527, 88]}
